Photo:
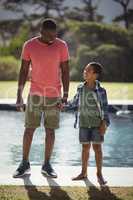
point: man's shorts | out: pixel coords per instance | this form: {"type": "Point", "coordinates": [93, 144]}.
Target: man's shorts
{"type": "Point", "coordinates": [38, 106]}
{"type": "Point", "coordinates": [88, 135]}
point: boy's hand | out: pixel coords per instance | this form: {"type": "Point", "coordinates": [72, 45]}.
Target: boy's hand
{"type": "Point", "coordinates": [103, 127]}
{"type": "Point", "coordinates": [60, 106]}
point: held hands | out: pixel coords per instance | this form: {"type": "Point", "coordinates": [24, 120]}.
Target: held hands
{"type": "Point", "coordinates": [63, 102]}
{"type": "Point", "coordinates": [103, 127]}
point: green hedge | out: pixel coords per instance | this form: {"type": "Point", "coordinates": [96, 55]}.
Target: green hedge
{"type": "Point", "coordinates": [9, 68]}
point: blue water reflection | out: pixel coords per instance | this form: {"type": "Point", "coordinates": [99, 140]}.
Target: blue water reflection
{"type": "Point", "coordinates": [118, 145]}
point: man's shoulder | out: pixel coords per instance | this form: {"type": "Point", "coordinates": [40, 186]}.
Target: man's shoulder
{"type": "Point", "coordinates": [61, 42]}
{"type": "Point", "coordinates": [30, 41]}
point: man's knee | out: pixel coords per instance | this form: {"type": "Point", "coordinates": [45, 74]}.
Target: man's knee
{"type": "Point", "coordinates": [29, 131]}
{"type": "Point", "coordinates": [50, 133]}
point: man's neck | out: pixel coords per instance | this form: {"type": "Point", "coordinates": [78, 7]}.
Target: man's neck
{"type": "Point", "coordinates": [44, 41]}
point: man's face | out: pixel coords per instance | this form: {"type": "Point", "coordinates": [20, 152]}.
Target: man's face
{"type": "Point", "coordinates": [48, 35]}
{"type": "Point", "coordinates": [89, 73]}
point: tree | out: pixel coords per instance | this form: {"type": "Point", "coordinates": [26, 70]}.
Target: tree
{"type": "Point", "coordinates": [88, 12]}
{"type": "Point", "coordinates": [45, 7]}
{"type": "Point", "coordinates": [126, 13]}
{"type": "Point", "coordinates": [91, 10]}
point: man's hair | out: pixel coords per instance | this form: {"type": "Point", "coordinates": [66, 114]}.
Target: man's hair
{"type": "Point", "coordinates": [49, 24]}
{"type": "Point", "coordinates": [97, 67]}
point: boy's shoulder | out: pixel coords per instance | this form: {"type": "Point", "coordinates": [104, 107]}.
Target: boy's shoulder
{"type": "Point", "coordinates": [99, 87]}
{"type": "Point", "coordinates": [80, 86]}
{"type": "Point", "coordinates": [102, 89]}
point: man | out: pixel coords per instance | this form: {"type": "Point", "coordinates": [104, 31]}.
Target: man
{"type": "Point", "coordinates": [48, 57]}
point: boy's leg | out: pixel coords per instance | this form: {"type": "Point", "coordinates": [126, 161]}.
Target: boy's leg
{"type": "Point", "coordinates": [99, 159]}
{"type": "Point", "coordinates": [85, 157]}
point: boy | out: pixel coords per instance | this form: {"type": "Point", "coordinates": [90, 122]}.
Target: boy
{"type": "Point", "coordinates": [92, 104]}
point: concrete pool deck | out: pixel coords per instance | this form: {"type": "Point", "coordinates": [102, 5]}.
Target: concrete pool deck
{"type": "Point", "coordinates": [114, 105]}
{"type": "Point", "coordinates": [116, 177]}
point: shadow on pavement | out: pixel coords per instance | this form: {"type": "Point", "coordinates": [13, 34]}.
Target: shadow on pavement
{"type": "Point", "coordinates": [55, 192]}
{"type": "Point", "coordinates": [99, 193]}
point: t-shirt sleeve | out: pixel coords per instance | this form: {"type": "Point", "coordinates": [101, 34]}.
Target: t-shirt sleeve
{"type": "Point", "coordinates": [64, 52]}
{"type": "Point", "coordinates": [25, 55]}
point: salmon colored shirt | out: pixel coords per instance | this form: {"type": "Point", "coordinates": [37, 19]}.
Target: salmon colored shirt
{"type": "Point", "coordinates": [45, 65]}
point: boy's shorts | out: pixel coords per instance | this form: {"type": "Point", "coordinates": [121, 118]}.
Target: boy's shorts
{"type": "Point", "coordinates": [88, 135]}
{"type": "Point", "coordinates": [38, 106]}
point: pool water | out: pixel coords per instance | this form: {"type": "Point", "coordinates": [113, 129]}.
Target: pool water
{"type": "Point", "coordinates": [117, 148]}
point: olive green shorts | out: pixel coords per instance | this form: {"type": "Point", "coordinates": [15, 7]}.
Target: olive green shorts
{"type": "Point", "coordinates": [38, 106]}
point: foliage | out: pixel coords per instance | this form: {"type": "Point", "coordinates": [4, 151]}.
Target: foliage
{"type": "Point", "coordinates": [9, 68]}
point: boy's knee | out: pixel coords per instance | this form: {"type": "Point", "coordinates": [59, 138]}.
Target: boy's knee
{"type": "Point", "coordinates": [97, 147]}
{"type": "Point", "coordinates": [86, 147]}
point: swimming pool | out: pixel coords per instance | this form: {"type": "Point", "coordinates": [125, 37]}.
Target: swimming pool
{"type": "Point", "coordinates": [118, 145]}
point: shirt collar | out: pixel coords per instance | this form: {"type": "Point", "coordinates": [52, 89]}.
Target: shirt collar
{"type": "Point", "coordinates": [96, 86]}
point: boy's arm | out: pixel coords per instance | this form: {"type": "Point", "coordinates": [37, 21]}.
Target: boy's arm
{"type": "Point", "coordinates": [75, 100]}
{"type": "Point", "coordinates": [105, 108]}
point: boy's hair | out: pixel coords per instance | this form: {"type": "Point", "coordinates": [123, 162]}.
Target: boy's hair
{"type": "Point", "coordinates": [49, 24]}
{"type": "Point", "coordinates": [97, 67]}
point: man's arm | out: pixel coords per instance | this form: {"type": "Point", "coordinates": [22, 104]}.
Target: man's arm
{"type": "Point", "coordinates": [23, 74]}
{"type": "Point", "coordinates": [65, 79]}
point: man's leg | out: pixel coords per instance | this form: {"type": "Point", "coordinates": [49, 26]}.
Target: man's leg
{"type": "Point", "coordinates": [47, 169]}
{"type": "Point", "coordinates": [99, 159]}
{"type": "Point", "coordinates": [85, 157]}
{"type": "Point", "coordinates": [24, 166]}
{"type": "Point", "coordinates": [49, 143]}
{"type": "Point", "coordinates": [27, 140]}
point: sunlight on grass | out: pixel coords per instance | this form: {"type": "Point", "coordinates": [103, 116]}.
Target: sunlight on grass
{"type": "Point", "coordinates": [123, 91]}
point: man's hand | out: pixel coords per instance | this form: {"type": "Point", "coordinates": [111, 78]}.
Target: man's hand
{"type": "Point", "coordinates": [64, 99]}
{"type": "Point", "coordinates": [103, 127]}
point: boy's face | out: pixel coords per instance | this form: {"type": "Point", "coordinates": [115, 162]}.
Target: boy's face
{"type": "Point", "coordinates": [89, 74]}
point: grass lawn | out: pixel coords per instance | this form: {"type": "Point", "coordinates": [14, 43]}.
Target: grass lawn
{"type": "Point", "coordinates": [65, 193]}
{"type": "Point", "coordinates": [121, 91]}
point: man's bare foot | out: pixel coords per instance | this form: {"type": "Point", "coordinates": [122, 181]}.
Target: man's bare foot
{"type": "Point", "coordinates": [101, 180]}
{"type": "Point", "coordinates": [79, 177]}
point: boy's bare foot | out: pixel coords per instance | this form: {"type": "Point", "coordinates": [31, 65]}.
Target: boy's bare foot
{"type": "Point", "coordinates": [101, 180]}
{"type": "Point", "coordinates": [79, 177]}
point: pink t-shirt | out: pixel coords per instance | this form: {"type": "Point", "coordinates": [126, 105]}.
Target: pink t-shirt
{"type": "Point", "coordinates": [45, 64]}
